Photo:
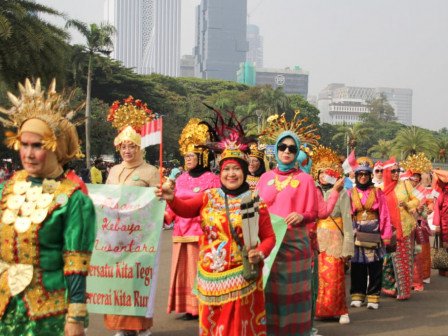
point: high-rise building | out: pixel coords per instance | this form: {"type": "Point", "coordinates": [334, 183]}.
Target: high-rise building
{"type": "Point", "coordinates": [255, 41]}
{"type": "Point", "coordinates": [339, 103]}
{"type": "Point", "coordinates": [148, 34]}
{"type": "Point", "coordinates": [221, 41]}
{"type": "Point", "coordinates": [187, 66]}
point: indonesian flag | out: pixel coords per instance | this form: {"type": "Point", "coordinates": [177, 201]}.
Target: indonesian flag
{"type": "Point", "coordinates": [152, 133]}
{"type": "Point", "coordinates": [350, 163]}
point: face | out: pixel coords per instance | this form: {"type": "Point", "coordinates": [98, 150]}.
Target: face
{"type": "Point", "coordinates": [254, 164]}
{"type": "Point", "coordinates": [32, 154]}
{"type": "Point", "coordinates": [363, 176]}
{"type": "Point", "coordinates": [191, 160]}
{"type": "Point", "coordinates": [232, 176]}
{"type": "Point", "coordinates": [288, 154]}
{"type": "Point", "coordinates": [395, 173]}
{"type": "Point", "coordinates": [415, 180]}
{"type": "Point", "coordinates": [378, 173]}
{"type": "Point", "coordinates": [322, 179]}
{"type": "Point", "coordinates": [129, 151]}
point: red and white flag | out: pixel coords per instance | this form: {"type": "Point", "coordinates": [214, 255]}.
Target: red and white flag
{"type": "Point", "coordinates": [152, 133]}
{"type": "Point", "coordinates": [350, 163]}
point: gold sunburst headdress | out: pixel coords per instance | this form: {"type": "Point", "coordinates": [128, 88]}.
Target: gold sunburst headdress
{"type": "Point", "coordinates": [51, 111]}
{"type": "Point", "coordinates": [325, 158]}
{"type": "Point", "coordinates": [417, 163]}
{"type": "Point", "coordinates": [193, 138]}
{"type": "Point", "coordinates": [129, 117]}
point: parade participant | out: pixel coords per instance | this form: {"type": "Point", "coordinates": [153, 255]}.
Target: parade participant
{"type": "Point", "coordinates": [334, 236]}
{"type": "Point", "coordinates": [402, 205]}
{"type": "Point", "coordinates": [96, 177]}
{"type": "Point", "coordinates": [440, 185]}
{"type": "Point", "coordinates": [373, 231]}
{"type": "Point", "coordinates": [417, 165]}
{"type": "Point", "coordinates": [196, 179]}
{"type": "Point", "coordinates": [229, 304]}
{"type": "Point", "coordinates": [132, 171]}
{"type": "Point", "coordinates": [256, 166]}
{"type": "Point", "coordinates": [378, 174]}
{"type": "Point", "coordinates": [291, 194]}
{"type": "Point", "coordinates": [47, 224]}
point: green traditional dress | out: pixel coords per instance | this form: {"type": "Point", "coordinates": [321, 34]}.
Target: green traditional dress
{"type": "Point", "coordinates": [47, 231]}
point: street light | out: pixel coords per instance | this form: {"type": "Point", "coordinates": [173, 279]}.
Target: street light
{"type": "Point", "coordinates": [259, 114]}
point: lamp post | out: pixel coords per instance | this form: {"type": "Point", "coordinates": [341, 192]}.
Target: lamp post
{"type": "Point", "coordinates": [259, 114]}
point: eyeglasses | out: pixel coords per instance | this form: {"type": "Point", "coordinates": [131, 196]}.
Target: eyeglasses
{"type": "Point", "coordinates": [378, 171]}
{"type": "Point", "coordinates": [189, 156]}
{"type": "Point", "coordinates": [363, 174]}
{"type": "Point", "coordinates": [292, 148]}
{"type": "Point", "coordinates": [395, 171]}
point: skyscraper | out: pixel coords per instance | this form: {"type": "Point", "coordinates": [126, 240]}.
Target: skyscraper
{"type": "Point", "coordinates": [255, 40]}
{"type": "Point", "coordinates": [221, 41]}
{"type": "Point", "coordinates": [148, 34]}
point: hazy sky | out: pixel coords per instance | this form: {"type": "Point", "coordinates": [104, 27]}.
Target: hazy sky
{"type": "Point", "coordinates": [372, 43]}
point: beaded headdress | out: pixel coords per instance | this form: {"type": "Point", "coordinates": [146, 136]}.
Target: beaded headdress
{"type": "Point", "coordinates": [257, 151]}
{"type": "Point", "coordinates": [364, 164]}
{"type": "Point", "coordinates": [193, 138]}
{"type": "Point", "coordinates": [417, 163]}
{"type": "Point", "coordinates": [325, 158]}
{"type": "Point", "coordinates": [52, 109]}
{"type": "Point", "coordinates": [129, 117]}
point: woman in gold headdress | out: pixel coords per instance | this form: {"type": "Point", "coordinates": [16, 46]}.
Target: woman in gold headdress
{"type": "Point", "coordinates": [47, 224]}
{"type": "Point", "coordinates": [256, 166]}
{"type": "Point", "coordinates": [133, 171]}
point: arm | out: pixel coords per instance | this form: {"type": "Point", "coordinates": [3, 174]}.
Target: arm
{"type": "Point", "coordinates": [310, 210]}
{"type": "Point", "coordinates": [383, 213]}
{"type": "Point", "coordinates": [187, 208]}
{"type": "Point", "coordinates": [412, 202]}
{"type": "Point", "coordinates": [265, 233]}
{"type": "Point", "coordinates": [325, 208]}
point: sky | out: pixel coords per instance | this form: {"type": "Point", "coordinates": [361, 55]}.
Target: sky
{"type": "Point", "coordinates": [369, 43]}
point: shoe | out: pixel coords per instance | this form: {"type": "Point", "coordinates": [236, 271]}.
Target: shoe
{"type": "Point", "coordinates": [356, 304]}
{"type": "Point", "coordinates": [120, 333]}
{"type": "Point", "coordinates": [189, 317]}
{"type": "Point", "coordinates": [418, 288]}
{"type": "Point", "coordinates": [372, 305]}
{"type": "Point", "coordinates": [344, 319]}
{"type": "Point", "coordinates": [427, 280]}
{"type": "Point", "coordinates": [144, 333]}
{"type": "Point", "coordinates": [314, 332]}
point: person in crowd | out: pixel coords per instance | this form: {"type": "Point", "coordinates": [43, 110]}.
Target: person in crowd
{"type": "Point", "coordinates": [256, 166]}
{"type": "Point", "coordinates": [133, 171]}
{"type": "Point", "coordinates": [2, 174]}
{"type": "Point", "coordinates": [378, 174]}
{"type": "Point", "coordinates": [373, 232]}
{"type": "Point", "coordinates": [47, 225]}
{"type": "Point", "coordinates": [402, 205]}
{"type": "Point", "coordinates": [334, 236]}
{"type": "Point", "coordinates": [96, 177]}
{"type": "Point", "coordinates": [196, 179]}
{"type": "Point", "coordinates": [229, 303]}
{"type": "Point", "coordinates": [291, 194]}
{"type": "Point", "coordinates": [440, 221]}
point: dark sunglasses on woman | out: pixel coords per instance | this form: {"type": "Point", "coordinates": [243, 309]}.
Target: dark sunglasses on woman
{"type": "Point", "coordinates": [292, 148]}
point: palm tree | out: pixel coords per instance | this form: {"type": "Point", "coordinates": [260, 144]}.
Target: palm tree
{"type": "Point", "coordinates": [412, 140]}
{"type": "Point", "coordinates": [382, 150]}
{"type": "Point", "coordinates": [99, 41]}
{"type": "Point", "coordinates": [30, 46]}
{"type": "Point", "coordinates": [352, 134]}
{"type": "Point", "coordinates": [273, 101]}
{"type": "Point", "coordinates": [442, 148]}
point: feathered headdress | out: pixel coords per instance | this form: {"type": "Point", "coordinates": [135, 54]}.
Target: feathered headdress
{"type": "Point", "coordinates": [193, 138]}
{"type": "Point", "coordinates": [325, 158]}
{"type": "Point", "coordinates": [128, 118]}
{"type": "Point", "coordinates": [51, 109]}
{"type": "Point", "coordinates": [417, 164]}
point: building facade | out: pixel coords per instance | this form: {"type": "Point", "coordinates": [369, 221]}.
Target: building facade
{"type": "Point", "coordinates": [148, 34]}
{"type": "Point", "coordinates": [339, 103]}
{"type": "Point", "coordinates": [255, 41]}
{"type": "Point", "coordinates": [221, 43]}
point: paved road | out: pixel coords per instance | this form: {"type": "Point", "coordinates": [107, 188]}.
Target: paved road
{"type": "Point", "coordinates": [425, 314]}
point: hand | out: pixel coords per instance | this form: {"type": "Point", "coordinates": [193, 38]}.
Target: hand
{"type": "Point", "coordinates": [293, 219]}
{"type": "Point", "coordinates": [437, 229]}
{"type": "Point", "coordinates": [74, 329]}
{"type": "Point", "coordinates": [339, 185]}
{"type": "Point", "coordinates": [165, 191]}
{"type": "Point", "coordinates": [255, 256]}
{"type": "Point", "coordinates": [403, 204]}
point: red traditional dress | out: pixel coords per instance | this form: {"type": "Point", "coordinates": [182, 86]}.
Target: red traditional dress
{"type": "Point", "coordinates": [228, 304]}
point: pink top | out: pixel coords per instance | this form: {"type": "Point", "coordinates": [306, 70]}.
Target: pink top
{"type": "Point", "coordinates": [189, 229]}
{"type": "Point", "coordinates": [325, 208]}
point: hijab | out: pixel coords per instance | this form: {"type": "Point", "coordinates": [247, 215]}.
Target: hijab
{"type": "Point", "coordinates": [286, 134]}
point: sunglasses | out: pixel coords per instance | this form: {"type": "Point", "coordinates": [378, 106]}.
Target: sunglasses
{"type": "Point", "coordinates": [292, 148]}
{"type": "Point", "coordinates": [395, 171]}
{"type": "Point", "coordinates": [378, 171]}
{"type": "Point", "coordinates": [363, 174]}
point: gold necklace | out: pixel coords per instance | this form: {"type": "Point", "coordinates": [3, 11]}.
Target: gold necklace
{"type": "Point", "coordinates": [280, 185]}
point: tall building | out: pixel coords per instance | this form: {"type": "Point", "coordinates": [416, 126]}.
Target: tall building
{"type": "Point", "coordinates": [148, 34]}
{"type": "Point", "coordinates": [221, 41]}
{"type": "Point", "coordinates": [187, 66]}
{"type": "Point", "coordinates": [293, 81]}
{"type": "Point", "coordinates": [255, 41]}
{"type": "Point", "coordinates": [339, 104]}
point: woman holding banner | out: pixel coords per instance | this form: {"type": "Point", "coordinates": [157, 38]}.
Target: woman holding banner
{"type": "Point", "coordinates": [229, 289]}
{"type": "Point", "coordinates": [133, 171]}
{"type": "Point", "coordinates": [186, 231]}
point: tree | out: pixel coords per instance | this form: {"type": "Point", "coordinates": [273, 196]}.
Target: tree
{"type": "Point", "coordinates": [381, 109]}
{"type": "Point", "coordinates": [412, 140]}
{"type": "Point", "coordinates": [272, 101]}
{"type": "Point", "coordinates": [382, 150]}
{"type": "Point", "coordinates": [442, 148]}
{"type": "Point", "coordinates": [30, 46]}
{"type": "Point", "coordinates": [99, 41]}
{"type": "Point", "coordinates": [353, 134]}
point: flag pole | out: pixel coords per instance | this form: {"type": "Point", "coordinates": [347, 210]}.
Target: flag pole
{"type": "Point", "coordinates": [161, 151]}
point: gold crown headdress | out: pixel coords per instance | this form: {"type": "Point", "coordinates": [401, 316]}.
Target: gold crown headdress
{"type": "Point", "coordinates": [278, 124]}
{"type": "Point", "coordinates": [52, 109]}
{"type": "Point", "coordinates": [364, 163]}
{"type": "Point", "coordinates": [257, 151]}
{"type": "Point", "coordinates": [325, 158]}
{"type": "Point", "coordinates": [193, 138]}
{"type": "Point", "coordinates": [417, 163]}
{"type": "Point", "coordinates": [128, 118]}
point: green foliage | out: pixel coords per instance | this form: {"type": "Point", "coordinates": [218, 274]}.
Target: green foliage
{"type": "Point", "coordinates": [353, 135]}
{"type": "Point", "coordinates": [382, 150]}
{"type": "Point", "coordinates": [413, 140]}
{"type": "Point", "coordinates": [380, 109]}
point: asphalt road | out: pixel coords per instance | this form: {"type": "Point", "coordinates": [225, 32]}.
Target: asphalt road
{"type": "Point", "coordinates": [425, 314]}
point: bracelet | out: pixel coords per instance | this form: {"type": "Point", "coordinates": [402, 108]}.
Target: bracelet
{"type": "Point", "coordinates": [77, 310]}
{"type": "Point", "coordinates": [73, 320]}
